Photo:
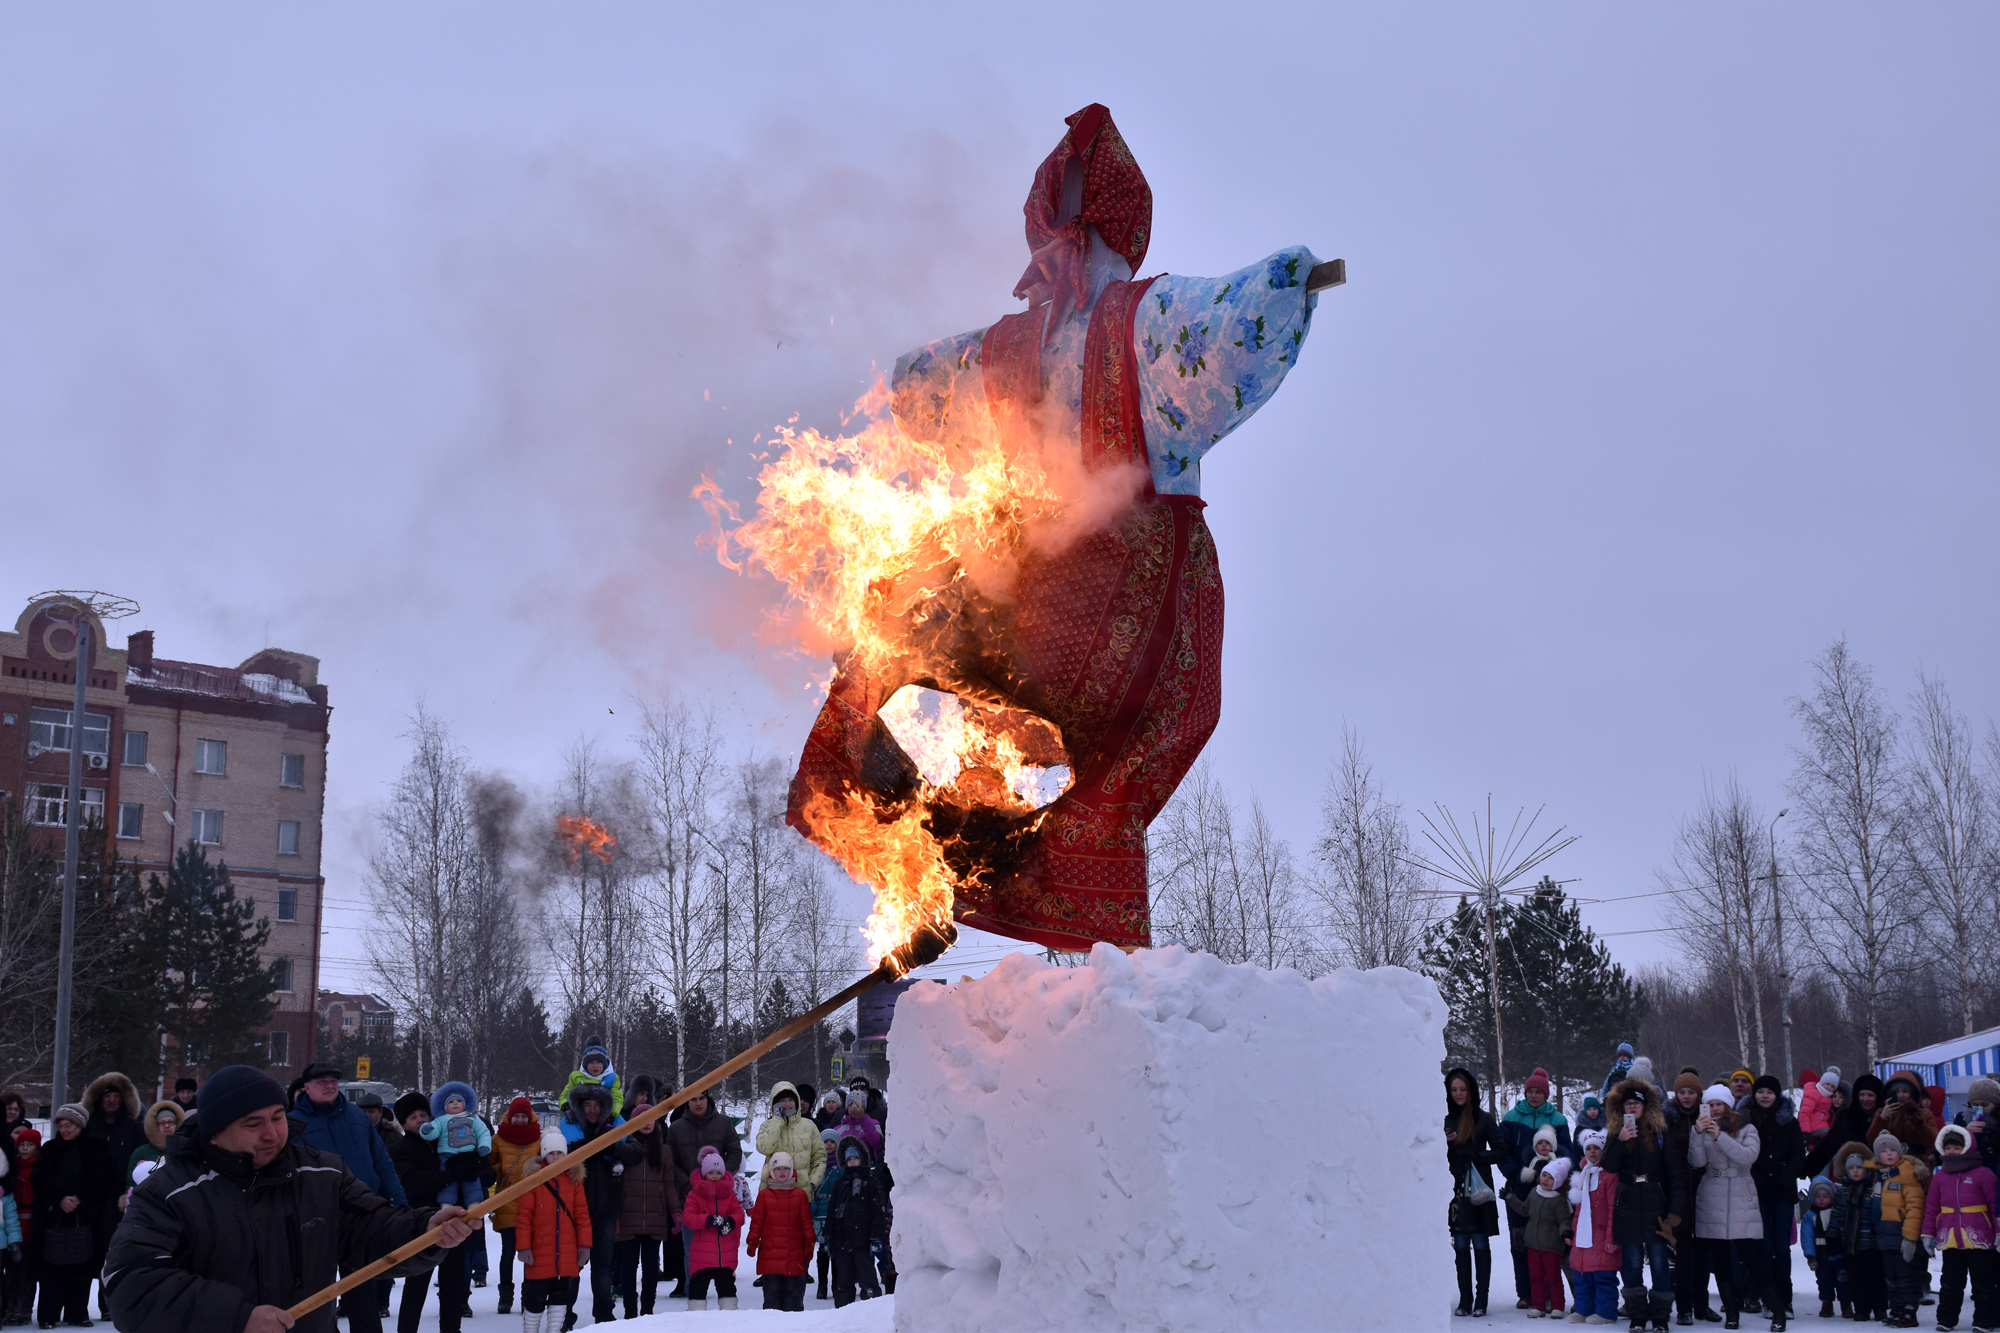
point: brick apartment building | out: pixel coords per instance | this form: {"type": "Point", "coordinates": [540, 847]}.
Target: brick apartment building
{"type": "Point", "coordinates": [233, 757]}
{"type": "Point", "coordinates": [367, 1016]}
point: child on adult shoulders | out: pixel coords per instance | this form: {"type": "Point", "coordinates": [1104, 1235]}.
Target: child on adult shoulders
{"type": "Point", "coordinates": [462, 1140]}
{"type": "Point", "coordinates": [597, 1069]}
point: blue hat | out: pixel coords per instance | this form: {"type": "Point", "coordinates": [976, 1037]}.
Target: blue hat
{"type": "Point", "coordinates": [1624, 1048]}
{"type": "Point", "coordinates": [446, 1093]}
{"type": "Point", "coordinates": [234, 1092]}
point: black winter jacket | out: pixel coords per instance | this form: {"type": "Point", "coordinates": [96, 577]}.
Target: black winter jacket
{"type": "Point", "coordinates": [603, 1183]}
{"type": "Point", "coordinates": [688, 1135]}
{"type": "Point", "coordinates": [208, 1237]}
{"type": "Point", "coordinates": [79, 1167]}
{"type": "Point", "coordinates": [419, 1167]}
{"type": "Point", "coordinates": [858, 1212]}
{"type": "Point", "coordinates": [1781, 1155]}
{"type": "Point", "coordinates": [1651, 1171]}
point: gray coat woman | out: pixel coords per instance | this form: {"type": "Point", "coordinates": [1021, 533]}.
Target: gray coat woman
{"type": "Point", "coordinates": [1725, 1204]}
{"type": "Point", "coordinates": [1728, 1223]}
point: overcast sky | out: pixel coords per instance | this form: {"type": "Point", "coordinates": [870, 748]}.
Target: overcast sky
{"type": "Point", "coordinates": [399, 336]}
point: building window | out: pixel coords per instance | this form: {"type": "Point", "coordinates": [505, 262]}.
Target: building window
{"type": "Point", "coordinates": [281, 976]}
{"type": "Point", "coordinates": [346, 1021]}
{"type": "Point", "coordinates": [135, 749]}
{"type": "Point", "coordinates": [288, 904]}
{"type": "Point", "coordinates": [49, 729]}
{"type": "Point", "coordinates": [208, 827]}
{"type": "Point", "coordinates": [291, 770]}
{"type": "Point", "coordinates": [288, 837]}
{"type": "Point", "coordinates": [281, 1048]}
{"type": "Point", "coordinates": [131, 819]}
{"type": "Point", "coordinates": [48, 804]}
{"type": "Point", "coordinates": [211, 757]}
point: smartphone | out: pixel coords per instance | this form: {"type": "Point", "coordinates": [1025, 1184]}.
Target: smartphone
{"type": "Point", "coordinates": [1631, 1119]}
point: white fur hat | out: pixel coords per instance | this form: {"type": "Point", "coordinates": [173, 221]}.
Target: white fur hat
{"type": "Point", "coordinates": [1719, 1092]}
{"type": "Point", "coordinates": [1590, 1138]}
{"type": "Point", "coordinates": [1559, 1168]}
{"type": "Point", "coordinates": [553, 1142]}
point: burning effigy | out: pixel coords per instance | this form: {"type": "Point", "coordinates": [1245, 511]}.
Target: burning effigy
{"type": "Point", "coordinates": [1007, 563]}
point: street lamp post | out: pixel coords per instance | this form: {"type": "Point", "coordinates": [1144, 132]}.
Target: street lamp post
{"type": "Point", "coordinates": [1784, 973]}
{"type": "Point", "coordinates": [72, 841]}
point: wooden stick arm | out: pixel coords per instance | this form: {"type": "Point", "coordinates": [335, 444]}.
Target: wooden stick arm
{"type": "Point", "coordinates": [1333, 273]}
{"type": "Point", "coordinates": [924, 947]}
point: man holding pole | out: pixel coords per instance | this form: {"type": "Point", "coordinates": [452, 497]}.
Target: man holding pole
{"type": "Point", "coordinates": [237, 1222]}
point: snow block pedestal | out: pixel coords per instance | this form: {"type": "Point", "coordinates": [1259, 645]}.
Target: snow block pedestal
{"type": "Point", "coordinates": [1162, 1141]}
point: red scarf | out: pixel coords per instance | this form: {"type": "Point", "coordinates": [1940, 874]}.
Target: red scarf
{"type": "Point", "coordinates": [518, 1134]}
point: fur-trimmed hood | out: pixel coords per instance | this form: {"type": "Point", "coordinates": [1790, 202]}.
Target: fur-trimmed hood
{"type": "Point", "coordinates": [1652, 1124]}
{"type": "Point", "coordinates": [130, 1106]}
{"type": "Point", "coordinates": [1837, 1168]}
{"type": "Point", "coordinates": [157, 1136]}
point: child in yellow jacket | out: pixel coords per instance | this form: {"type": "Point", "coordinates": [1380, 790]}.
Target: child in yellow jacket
{"type": "Point", "coordinates": [1900, 1181]}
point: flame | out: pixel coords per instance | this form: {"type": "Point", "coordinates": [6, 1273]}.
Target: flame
{"type": "Point", "coordinates": [881, 541]}
{"type": "Point", "coordinates": [585, 835]}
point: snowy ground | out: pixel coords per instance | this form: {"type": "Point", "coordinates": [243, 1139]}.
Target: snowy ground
{"type": "Point", "coordinates": [1805, 1300]}
{"type": "Point", "coordinates": [820, 1317]}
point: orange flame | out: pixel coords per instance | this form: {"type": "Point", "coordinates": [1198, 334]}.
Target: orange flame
{"type": "Point", "coordinates": [585, 835]}
{"type": "Point", "coordinates": [879, 539]}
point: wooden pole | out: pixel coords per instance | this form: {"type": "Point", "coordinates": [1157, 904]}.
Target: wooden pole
{"type": "Point", "coordinates": [926, 946]}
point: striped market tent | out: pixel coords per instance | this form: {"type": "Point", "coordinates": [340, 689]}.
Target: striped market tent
{"type": "Point", "coordinates": [1951, 1065]}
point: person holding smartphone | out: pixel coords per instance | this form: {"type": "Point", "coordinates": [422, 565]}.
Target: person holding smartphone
{"type": "Point", "coordinates": [1982, 1109]}
{"type": "Point", "coordinates": [1648, 1206]}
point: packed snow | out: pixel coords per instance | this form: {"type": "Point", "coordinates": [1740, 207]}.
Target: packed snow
{"type": "Point", "coordinates": [1164, 1141]}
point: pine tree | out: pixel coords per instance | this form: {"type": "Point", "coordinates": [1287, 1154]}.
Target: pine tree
{"type": "Point", "coordinates": [1455, 958]}
{"type": "Point", "coordinates": [529, 1055]}
{"type": "Point", "coordinates": [1565, 1003]}
{"type": "Point", "coordinates": [213, 993]}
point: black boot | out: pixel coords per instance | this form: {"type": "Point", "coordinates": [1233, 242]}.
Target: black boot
{"type": "Point", "coordinates": [506, 1299]}
{"type": "Point", "coordinates": [1482, 1273]}
{"type": "Point", "coordinates": [1464, 1258]}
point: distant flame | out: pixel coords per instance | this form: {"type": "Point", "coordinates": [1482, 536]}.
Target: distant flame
{"type": "Point", "coordinates": [585, 835]}
{"type": "Point", "coordinates": [880, 540]}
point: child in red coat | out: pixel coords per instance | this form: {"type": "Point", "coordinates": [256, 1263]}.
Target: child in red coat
{"type": "Point", "coordinates": [552, 1238]}
{"type": "Point", "coordinates": [781, 1225]}
{"type": "Point", "coordinates": [712, 1218]}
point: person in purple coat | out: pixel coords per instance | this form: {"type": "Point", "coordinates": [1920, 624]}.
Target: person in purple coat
{"type": "Point", "coordinates": [859, 1124]}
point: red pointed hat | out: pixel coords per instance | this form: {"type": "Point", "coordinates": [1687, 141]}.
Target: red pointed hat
{"type": "Point", "coordinates": [1116, 200]}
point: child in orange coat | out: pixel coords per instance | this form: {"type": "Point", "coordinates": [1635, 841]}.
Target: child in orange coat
{"type": "Point", "coordinates": [552, 1238]}
{"type": "Point", "coordinates": [781, 1226]}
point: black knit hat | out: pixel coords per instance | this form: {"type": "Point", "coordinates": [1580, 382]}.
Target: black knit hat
{"type": "Point", "coordinates": [1768, 1081]}
{"type": "Point", "coordinates": [409, 1102]}
{"type": "Point", "coordinates": [185, 1084]}
{"type": "Point", "coordinates": [234, 1092]}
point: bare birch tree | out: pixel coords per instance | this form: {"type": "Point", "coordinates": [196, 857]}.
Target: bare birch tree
{"type": "Point", "coordinates": [1722, 907]}
{"type": "Point", "coordinates": [1377, 904]}
{"type": "Point", "coordinates": [1233, 894]}
{"type": "Point", "coordinates": [420, 874]}
{"type": "Point", "coordinates": [494, 958]}
{"type": "Point", "coordinates": [591, 913]}
{"type": "Point", "coordinates": [1949, 828]}
{"type": "Point", "coordinates": [679, 762]}
{"type": "Point", "coordinates": [760, 858]}
{"type": "Point", "coordinates": [1852, 851]}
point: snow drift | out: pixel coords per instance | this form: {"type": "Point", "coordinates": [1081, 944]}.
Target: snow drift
{"type": "Point", "coordinates": [1164, 1141]}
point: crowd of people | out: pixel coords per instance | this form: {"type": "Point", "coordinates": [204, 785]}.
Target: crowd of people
{"type": "Point", "coordinates": [1657, 1187]}
{"type": "Point", "coordinates": [669, 1203]}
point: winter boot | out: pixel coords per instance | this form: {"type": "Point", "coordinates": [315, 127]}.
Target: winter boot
{"type": "Point", "coordinates": [1635, 1307]}
{"type": "Point", "coordinates": [1482, 1272]}
{"type": "Point", "coordinates": [1464, 1283]}
{"type": "Point", "coordinates": [1662, 1309]}
{"type": "Point", "coordinates": [506, 1300]}
{"type": "Point", "coordinates": [1847, 1309]}
{"type": "Point", "coordinates": [534, 1323]}
{"type": "Point", "coordinates": [569, 1320]}
{"type": "Point", "coordinates": [725, 1302]}
{"type": "Point", "coordinates": [698, 1303]}
{"type": "Point", "coordinates": [826, 1262]}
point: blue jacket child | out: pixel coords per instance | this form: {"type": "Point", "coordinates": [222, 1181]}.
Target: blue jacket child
{"type": "Point", "coordinates": [455, 1129]}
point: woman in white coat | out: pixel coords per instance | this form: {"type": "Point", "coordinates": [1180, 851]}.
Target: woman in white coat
{"type": "Point", "coordinates": [1728, 1223]}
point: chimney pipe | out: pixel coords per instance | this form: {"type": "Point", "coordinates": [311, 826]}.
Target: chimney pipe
{"type": "Point", "coordinates": [139, 651]}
